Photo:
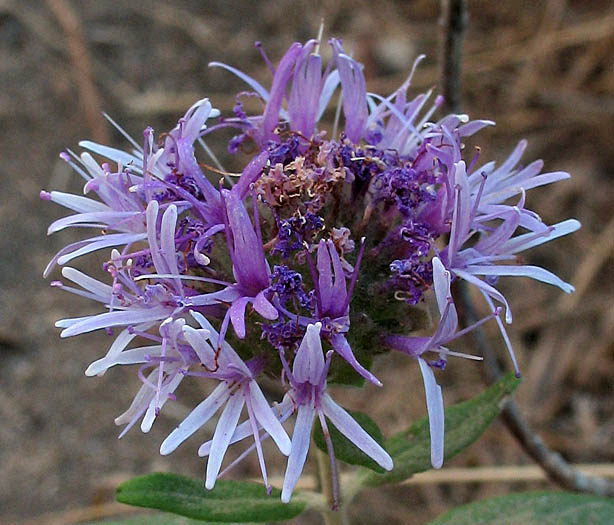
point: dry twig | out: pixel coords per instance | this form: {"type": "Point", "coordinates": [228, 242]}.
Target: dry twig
{"type": "Point", "coordinates": [82, 68]}
{"type": "Point", "coordinates": [557, 469]}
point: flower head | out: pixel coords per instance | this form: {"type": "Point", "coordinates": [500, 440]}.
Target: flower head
{"type": "Point", "coordinates": [328, 238]}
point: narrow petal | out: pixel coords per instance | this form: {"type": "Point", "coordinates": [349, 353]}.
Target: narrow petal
{"type": "Point", "coordinates": [510, 191]}
{"type": "Point", "coordinates": [343, 348]}
{"type": "Point", "coordinates": [267, 419]}
{"type": "Point", "coordinates": [304, 97]}
{"type": "Point", "coordinates": [97, 219]}
{"type": "Point", "coordinates": [77, 203]}
{"type": "Point", "coordinates": [300, 446]}
{"type": "Point", "coordinates": [278, 90]}
{"type": "Point", "coordinates": [167, 239]}
{"type": "Point", "coordinates": [354, 89]}
{"type": "Point", "coordinates": [434, 405]}
{"type": "Point", "coordinates": [441, 283]}
{"type": "Point", "coordinates": [196, 419]}
{"type": "Point", "coordinates": [529, 240]}
{"type": "Point", "coordinates": [250, 174]}
{"type": "Point", "coordinates": [471, 128]}
{"type": "Point", "coordinates": [237, 316]}
{"type": "Point", "coordinates": [534, 272]}
{"type": "Point", "coordinates": [198, 340]}
{"type": "Point", "coordinates": [309, 359]}
{"type": "Point", "coordinates": [197, 119]}
{"type": "Point", "coordinates": [325, 276]}
{"type": "Point", "coordinates": [159, 401]}
{"type": "Point", "coordinates": [116, 155]}
{"type": "Point", "coordinates": [227, 295]}
{"type": "Point", "coordinates": [128, 357]}
{"type": "Point", "coordinates": [152, 237]}
{"type": "Point", "coordinates": [348, 426]}
{"type": "Point", "coordinates": [509, 163]}
{"type": "Point", "coordinates": [98, 243]}
{"type": "Point", "coordinates": [121, 342]}
{"type": "Point", "coordinates": [413, 346]}
{"type": "Point", "coordinates": [263, 306]}
{"type": "Point", "coordinates": [223, 433]}
{"type": "Point", "coordinates": [248, 259]}
{"type": "Point", "coordinates": [339, 292]}
{"type": "Point", "coordinates": [104, 291]}
{"type": "Point", "coordinates": [116, 318]}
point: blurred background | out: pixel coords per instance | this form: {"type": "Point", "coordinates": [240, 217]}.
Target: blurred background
{"type": "Point", "coordinates": [541, 69]}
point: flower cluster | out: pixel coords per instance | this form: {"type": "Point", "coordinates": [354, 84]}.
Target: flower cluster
{"type": "Point", "coordinates": [306, 266]}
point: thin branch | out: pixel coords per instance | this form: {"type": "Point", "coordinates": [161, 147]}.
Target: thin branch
{"type": "Point", "coordinates": [453, 22]}
{"type": "Point", "coordinates": [555, 466]}
{"type": "Point", "coordinates": [82, 68]}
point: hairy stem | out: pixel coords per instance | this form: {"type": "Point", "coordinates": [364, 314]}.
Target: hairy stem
{"type": "Point", "coordinates": [331, 517]}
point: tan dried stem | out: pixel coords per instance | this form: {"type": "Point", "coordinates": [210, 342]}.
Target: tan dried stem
{"type": "Point", "coordinates": [81, 68]}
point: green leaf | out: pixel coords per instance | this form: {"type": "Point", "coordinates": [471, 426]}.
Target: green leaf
{"type": "Point", "coordinates": [533, 508]}
{"type": "Point", "coordinates": [344, 449]}
{"type": "Point", "coordinates": [465, 422]}
{"type": "Point", "coordinates": [229, 501]}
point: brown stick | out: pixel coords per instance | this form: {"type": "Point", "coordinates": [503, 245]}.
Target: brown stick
{"type": "Point", "coordinates": [558, 470]}
{"type": "Point", "coordinates": [82, 68]}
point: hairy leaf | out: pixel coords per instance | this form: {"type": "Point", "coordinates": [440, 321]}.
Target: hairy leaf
{"type": "Point", "coordinates": [229, 501]}
{"type": "Point", "coordinates": [465, 422]}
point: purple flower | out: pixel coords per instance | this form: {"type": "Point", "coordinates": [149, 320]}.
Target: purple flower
{"type": "Point", "coordinates": [170, 361]}
{"type": "Point", "coordinates": [119, 210]}
{"type": "Point", "coordinates": [125, 194]}
{"type": "Point", "coordinates": [354, 93]}
{"type": "Point", "coordinates": [500, 183]}
{"type": "Point", "coordinates": [179, 155]}
{"type": "Point", "coordinates": [308, 382]}
{"type": "Point", "coordinates": [261, 128]}
{"type": "Point", "coordinates": [391, 173]}
{"type": "Point", "coordinates": [333, 300]}
{"type": "Point", "coordinates": [249, 267]}
{"type": "Point", "coordinates": [496, 244]}
{"type": "Point", "coordinates": [447, 330]}
{"type": "Point", "coordinates": [310, 92]}
{"type": "Point", "coordinates": [237, 388]}
{"type": "Point", "coordinates": [129, 304]}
